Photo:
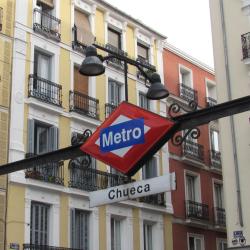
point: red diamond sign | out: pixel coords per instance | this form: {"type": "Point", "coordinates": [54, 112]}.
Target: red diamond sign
{"type": "Point", "coordinates": [127, 137]}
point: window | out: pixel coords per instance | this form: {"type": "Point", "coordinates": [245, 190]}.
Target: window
{"type": "Point", "coordinates": [221, 244]}
{"type": "Point", "coordinates": [149, 170]}
{"type": "Point", "coordinates": [195, 243]}
{"type": "Point", "coordinates": [42, 65]}
{"type": "Point", "coordinates": [80, 82]}
{"type": "Point", "coordinates": [39, 223]}
{"type": "Point", "coordinates": [114, 92]}
{"type": "Point", "coordinates": [43, 17]}
{"type": "Point", "coordinates": [185, 77]}
{"type": "Point", "coordinates": [142, 52]}
{"type": "Point", "coordinates": [191, 186]}
{"type": "Point", "coordinates": [115, 234]}
{"type": "Point", "coordinates": [214, 137]}
{"type": "Point", "coordinates": [148, 236]}
{"type": "Point", "coordinates": [218, 192]}
{"type": "Point", "coordinates": [79, 229]}
{"type": "Point", "coordinates": [114, 38]}
{"type": "Point", "coordinates": [144, 101]}
{"type": "Point", "coordinates": [42, 138]}
{"type": "Point", "coordinates": [83, 30]}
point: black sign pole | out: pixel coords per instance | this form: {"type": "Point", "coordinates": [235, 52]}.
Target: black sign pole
{"type": "Point", "coordinates": [186, 121]}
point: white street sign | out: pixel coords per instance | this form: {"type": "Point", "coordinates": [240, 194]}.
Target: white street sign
{"type": "Point", "coordinates": [133, 190]}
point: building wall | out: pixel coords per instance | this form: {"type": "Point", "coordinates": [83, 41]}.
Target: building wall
{"type": "Point", "coordinates": [6, 45]}
{"type": "Point", "coordinates": [61, 199]}
{"type": "Point", "coordinates": [233, 79]}
{"type": "Point", "coordinates": [185, 225]}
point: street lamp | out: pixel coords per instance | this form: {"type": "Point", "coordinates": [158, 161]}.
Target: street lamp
{"type": "Point", "coordinates": [92, 65]}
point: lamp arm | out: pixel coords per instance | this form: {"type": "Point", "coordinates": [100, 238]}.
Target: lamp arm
{"type": "Point", "coordinates": [143, 72]}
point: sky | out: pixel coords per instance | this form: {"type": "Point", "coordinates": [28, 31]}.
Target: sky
{"type": "Point", "coordinates": [185, 23]}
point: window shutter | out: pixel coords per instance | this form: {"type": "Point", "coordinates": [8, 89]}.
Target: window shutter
{"type": "Point", "coordinates": [72, 228]}
{"type": "Point", "coordinates": [31, 136]}
{"type": "Point", "coordinates": [84, 34]}
{"type": "Point", "coordinates": [53, 138]}
{"type": "Point", "coordinates": [49, 3]}
{"type": "Point", "coordinates": [80, 82]}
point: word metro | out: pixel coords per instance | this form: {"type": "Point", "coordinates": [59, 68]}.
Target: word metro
{"type": "Point", "coordinates": [122, 135]}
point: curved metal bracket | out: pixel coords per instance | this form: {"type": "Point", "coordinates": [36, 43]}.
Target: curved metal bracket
{"type": "Point", "coordinates": [175, 108]}
{"type": "Point", "coordinates": [80, 138]}
{"type": "Point", "coordinates": [178, 139]}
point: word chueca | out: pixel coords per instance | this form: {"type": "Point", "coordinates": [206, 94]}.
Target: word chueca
{"type": "Point", "coordinates": [128, 192]}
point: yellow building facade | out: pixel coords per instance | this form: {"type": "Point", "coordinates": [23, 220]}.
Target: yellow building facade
{"type": "Point", "coordinates": [52, 104]}
{"type": "Point", "coordinates": [6, 41]}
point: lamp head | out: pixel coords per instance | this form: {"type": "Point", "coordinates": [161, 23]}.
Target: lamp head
{"type": "Point", "coordinates": [91, 65]}
{"type": "Point", "coordinates": [156, 90]}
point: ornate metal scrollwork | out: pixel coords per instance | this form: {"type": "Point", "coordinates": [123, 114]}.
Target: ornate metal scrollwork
{"type": "Point", "coordinates": [78, 138]}
{"type": "Point", "coordinates": [81, 162]}
{"type": "Point", "coordinates": [193, 133]}
{"type": "Point", "coordinates": [175, 108]}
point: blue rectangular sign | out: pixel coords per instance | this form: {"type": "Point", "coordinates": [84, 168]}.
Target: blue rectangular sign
{"type": "Point", "coordinates": [238, 234]}
{"type": "Point", "coordinates": [122, 135]}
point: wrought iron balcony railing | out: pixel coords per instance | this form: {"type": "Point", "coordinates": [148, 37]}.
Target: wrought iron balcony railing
{"type": "Point", "coordinates": [109, 108]}
{"type": "Point", "coordinates": [47, 25]}
{"type": "Point", "coordinates": [114, 62]}
{"type": "Point", "coordinates": [81, 38]}
{"type": "Point", "coordinates": [210, 101]}
{"type": "Point", "coordinates": [196, 210]}
{"type": "Point", "coordinates": [89, 179]}
{"type": "Point", "coordinates": [220, 216]}
{"type": "Point", "coordinates": [146, 63]}
{"type": "Point", "coordinates": [44, 247]}
{"type": "Point", "coordinates": [83, 104]}
{"type": "Point", "coordinates": [45, 90]}
{"type": "Point", "coordinates": [215, 159]}
{"type": "Point", "coordinates": [193, 150]}
{"type": "Point", "coordinates": [188, 94]}
{"type": "Point", "coordinates": [245, 43]}
{"type": "Point", "coordinates": [50, 172]}
{"type": "Point", "coordinates": [156, 199]}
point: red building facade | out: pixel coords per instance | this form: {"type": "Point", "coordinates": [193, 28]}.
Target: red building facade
{"type": "Point", "coordinates": [199, 221]}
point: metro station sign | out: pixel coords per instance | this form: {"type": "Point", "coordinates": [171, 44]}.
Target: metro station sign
{"type": "Point", "coordinates": [127, 137]}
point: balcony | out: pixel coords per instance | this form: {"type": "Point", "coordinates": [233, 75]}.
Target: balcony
{"type": "Point", "coordinates": [47, 25]}
{"type": "Point", "coordinates": [193, 151]}
{"type": "Point", "coordinates": [114, 62]}
{"type": "Point", "coordinates": [44, 247]}
{"type": "Point", "coordinates": [83, 104]}
{"type": "Point", "coordinates": [245, 43]}
{"type": "Point", "coordinates": [81, 38]}
{"type": "Point", "coordinates": [45, 90]}
{"type": "Point", "coordinates": [196, 210]}
{"type": "Point", "coordinates": [89, 179]}
{"type": "Point", "coordinates": [220, 217]}
{"type": "Point", "coordinates": [215, 159]}
{"type": "Point", "coordinates": [109, 108]}
{"type": "Point", "coordinates": [211, 101]}
{"type": "Point", "coordinates": [188, 94]}
{"type": "Point", "coordinates": [156, 199]}
{"type": "Point", "coordinates": [50, 172]}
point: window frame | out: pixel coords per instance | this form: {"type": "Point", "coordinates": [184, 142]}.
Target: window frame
{"type": "Point", "coordinates": [142, 95]}
{"type": "Point", "coordinates": [197, 185]}
{"type": "Point", "coordinates": [146, 243]}
{"type": "Point", "coordinates": [113, 246]}
{"type": "Point", "coordinates": [116, 32]}
{"type": "Point", "coordinates": [143, 46]}
{"type": "Point", "coordinates": [47, 208]}
{"type": "Point", "coordinates": [186, 70]}
{"type": "Point", "coordinates": [196, 236]}
{"type": "Point", "coordinates": [155, 160]}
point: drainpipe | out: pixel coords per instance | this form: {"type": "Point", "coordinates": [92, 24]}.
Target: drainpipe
{"type": "Point", "coordinates": [232, 125]}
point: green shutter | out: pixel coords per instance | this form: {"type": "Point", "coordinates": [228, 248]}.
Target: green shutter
{"type": "Point", "coordinates": [53, 138]}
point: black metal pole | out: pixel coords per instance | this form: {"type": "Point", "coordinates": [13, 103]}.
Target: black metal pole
{"type": "Point", "coordinates": [126, 80]}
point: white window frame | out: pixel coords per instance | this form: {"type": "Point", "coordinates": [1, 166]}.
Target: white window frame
{"type": "Point", "coordinates": [219, 241]}
{"type": "Point", "coordinates": [210, 137]}
{"type": "Point", "coordinates": [210, 84]}
{"type": "Point", "coordinates": [186, 69]}
{"type": "Point", "coordinates": [197, 236]}
{"type": "Point", "coordinates": [220, 182]}
{"type": "Point", "coordinates": [197, 185]}
{"type": "Point", "coordinates": [148, 224]}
